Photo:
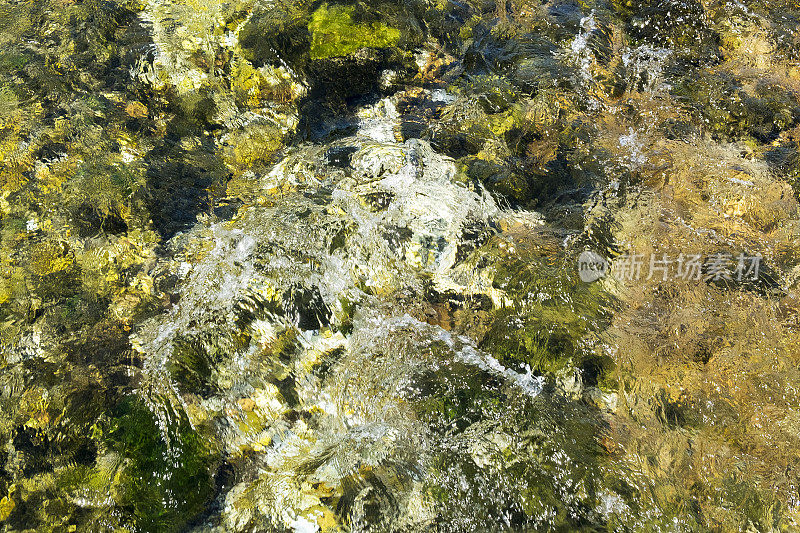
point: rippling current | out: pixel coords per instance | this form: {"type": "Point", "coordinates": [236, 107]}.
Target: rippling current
{"type": "Point", "coordinates": [399, 266]}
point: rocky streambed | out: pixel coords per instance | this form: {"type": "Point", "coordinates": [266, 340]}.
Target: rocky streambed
{"type": "Point", "coordinates": [313, 266]}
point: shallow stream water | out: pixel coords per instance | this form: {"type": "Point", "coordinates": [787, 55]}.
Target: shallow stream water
{"type": "Point", "coordinates": [405, 265]}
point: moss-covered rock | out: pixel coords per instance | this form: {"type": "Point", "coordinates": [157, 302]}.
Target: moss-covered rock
{"type": "Point", "coordinates": [681, 25]}
{"type": "Point", "coordinates": [166, 481]}
{"type": "Point", "coordinates": [335, 34]}
{"type": "Point", "coordinates": [734, 108]}
{"type": "Point", "coordinates": [166, 228]}
{"type": "Point", "coordinates": [552, 320]}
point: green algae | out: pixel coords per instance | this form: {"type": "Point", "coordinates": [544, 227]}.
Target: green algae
{"type": "Point", "coordinates": [552, 322]}
{"type": "Point", "coordinates": [730, 109]}
{"type": "Point", "coordinates": [684, 26]}
{"type": "Point", "coordinates": [277, 33]}
{"type": "Point", "coordinates": [548, 456]}
{"type": "Point", "coordinates": [334, 33]}
{"type": "Point", "coordinates": [167, 481]}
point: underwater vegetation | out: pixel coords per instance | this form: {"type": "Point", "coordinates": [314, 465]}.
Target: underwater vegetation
{"type": "Point", "coordinates": [317, 266]}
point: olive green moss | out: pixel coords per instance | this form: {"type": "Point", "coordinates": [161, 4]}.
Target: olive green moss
{"type": "Point", "coordinates": [677, 24]}
{"type": "Point", "coordinates": [542, 449]}
{"type": "Point", "coordinates": [166, 481]}
{"type": "Point", "coordinates": [335, 34]}
{"type": "Point", "coordinates": [457, 397]}
{"type": "Point", "coordinates": [99, 170]}
{"type": "Point", "coordinates": [553, 320]}
{"type": "Point", "coordinates": [729, 111]}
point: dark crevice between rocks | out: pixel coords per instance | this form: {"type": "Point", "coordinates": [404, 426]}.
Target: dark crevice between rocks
{"type": "Point", "coordinates": [182, 183]}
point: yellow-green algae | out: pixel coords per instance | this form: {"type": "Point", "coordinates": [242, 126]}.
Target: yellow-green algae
{"type": "Point", "coordinates": [335, 34]}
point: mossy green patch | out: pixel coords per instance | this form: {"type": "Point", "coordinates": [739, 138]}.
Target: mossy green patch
{"type": "Point", "coordinates": [334, 33]}
{"type": "Point", "coordinates": [167, 480]}
{"type": "Point", "coordinates": [553, 318]}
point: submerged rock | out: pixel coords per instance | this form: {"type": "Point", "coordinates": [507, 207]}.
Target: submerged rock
{"type": "Point", "coordinates": [291, 342]}
{"type": "Point", "coordinates": [335, 34]}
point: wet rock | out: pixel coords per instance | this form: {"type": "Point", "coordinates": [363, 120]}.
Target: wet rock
{"type": "Point", "coordinates": [147, 479]}
{"type": "Point", "coordinates": [681, 25]}
{"type": "Point", "coordinates": [334, 33]}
